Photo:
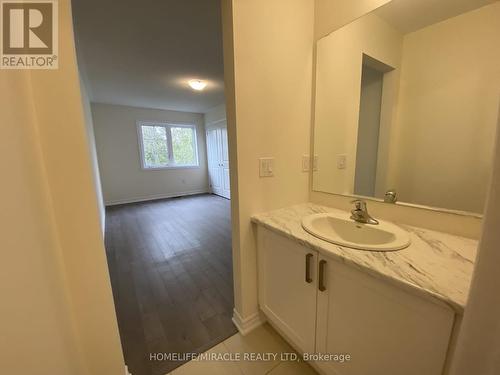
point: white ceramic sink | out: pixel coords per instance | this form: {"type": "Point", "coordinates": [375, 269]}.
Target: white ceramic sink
{"type": "Point", "coordinates": [340, 229]}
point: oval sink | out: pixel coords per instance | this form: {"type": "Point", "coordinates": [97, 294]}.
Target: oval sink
{"type": "Point", "coordinates": [340, 229]}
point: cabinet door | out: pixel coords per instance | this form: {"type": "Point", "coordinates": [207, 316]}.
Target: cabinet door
{"type": "Point", "coordinates": [287, 289]}
{"type": "Point", "coordinates": [384, 329]}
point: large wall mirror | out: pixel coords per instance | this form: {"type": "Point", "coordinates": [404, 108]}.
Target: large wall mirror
{"type": "Point", "coordinates": [407, 100]}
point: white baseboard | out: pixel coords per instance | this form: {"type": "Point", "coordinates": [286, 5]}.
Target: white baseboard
{"type": "Point", "coordinates": [126, 370]}
{"type": "Point", "coordinates": [154, 197]}
{"type": "Point", "coordinates": [247, 325]}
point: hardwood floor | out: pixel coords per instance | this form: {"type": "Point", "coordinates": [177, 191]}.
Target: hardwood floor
{"type": "Point", "coordinates": [171, 272]}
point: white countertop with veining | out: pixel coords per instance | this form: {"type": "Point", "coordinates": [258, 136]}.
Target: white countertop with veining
{"type": "Point", "coordinates": [436, 265]}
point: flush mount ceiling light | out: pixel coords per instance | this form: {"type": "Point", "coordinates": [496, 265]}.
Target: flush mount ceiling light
{"type": "Point", "coordinates": [197, 84]}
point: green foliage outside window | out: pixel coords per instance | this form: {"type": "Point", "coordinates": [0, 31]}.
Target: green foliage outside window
{"type": "Point", "coordinates": [182, 145]}
{"type": "Point", "coordinates": [156, 139]}
{"type": "Point", "coordinates": [155, 146]}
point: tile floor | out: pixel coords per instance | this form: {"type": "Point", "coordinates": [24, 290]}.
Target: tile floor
{"type": "Point", "coordinates": [262, 340]}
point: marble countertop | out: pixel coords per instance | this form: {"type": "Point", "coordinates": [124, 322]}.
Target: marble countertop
{"type": "Point", "coordinates": [436, 265]}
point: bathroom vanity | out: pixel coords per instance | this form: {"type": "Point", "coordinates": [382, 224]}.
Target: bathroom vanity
{"type": "Point", "coordinates": [396, 119]}
{"type": "Point", "coordinates": [392, 312]}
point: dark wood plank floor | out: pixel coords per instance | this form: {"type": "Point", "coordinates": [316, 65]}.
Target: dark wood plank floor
{"type": "Point", "coordinates": [171, 272]}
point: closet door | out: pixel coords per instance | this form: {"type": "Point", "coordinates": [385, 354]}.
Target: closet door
{"type": "Point", "coordinates": [226, 187]}
{"type": "Point", "coordinates": [214, 163]}
{"type": "Point", "coordinates": [218, 159]}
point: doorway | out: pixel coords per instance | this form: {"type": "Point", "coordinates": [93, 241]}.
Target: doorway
{"type": "Point", "coordinates": [155, 82]}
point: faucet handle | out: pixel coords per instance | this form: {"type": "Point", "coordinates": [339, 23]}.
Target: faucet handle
{"type": "Point", "coordinates": [390, 196]}
{"type": "Point", "coordinates": [359, 204]}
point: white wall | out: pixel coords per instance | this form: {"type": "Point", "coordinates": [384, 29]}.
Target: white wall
{"type": "Point", "coordinates": [478, 346]}
{"type": "Point", "coordinates": [269, 73]}
{"type": "Point", "coordinates": [447, 111]}
{"type": "Point", "coordinates": [215, 114]}
{"type": "Point", "coordinates": [333, 14]}
{"type": "Point", "coordinates": [62, 134]}
{"type": "Point", "coordinates": [57, 308]}
{"type": "Point", "coordinates": [37, 332]}
{"type": "Point", "coordinates": [123, 179]}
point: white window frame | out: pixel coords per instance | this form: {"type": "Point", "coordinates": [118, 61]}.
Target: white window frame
{"type": "Point", "coordinates": [167, 125]}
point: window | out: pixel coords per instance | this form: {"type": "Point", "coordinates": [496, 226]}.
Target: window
{"type": "Point", "coordinates": [167, 145]}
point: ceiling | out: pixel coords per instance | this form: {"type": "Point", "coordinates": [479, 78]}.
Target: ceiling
{"type": "Point", "coordinates": [142, 53]}
{"type": "Point", "coordinates": [411, 15]}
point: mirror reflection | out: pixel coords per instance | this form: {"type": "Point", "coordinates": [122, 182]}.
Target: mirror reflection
{"type": "Point", "coordinates": [406, 104]}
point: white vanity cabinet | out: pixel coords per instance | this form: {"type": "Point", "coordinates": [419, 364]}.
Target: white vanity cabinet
{"type": "Point", "coordinates": [343, 310]}
{"type": "Point", "coordinates": [287, 287]}
{"type": "Point", "coordinates": [386, 330]}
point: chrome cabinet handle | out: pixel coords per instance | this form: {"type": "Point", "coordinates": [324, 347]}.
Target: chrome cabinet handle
{"type": "Point", "coordinates": [321, 277]}
{"type": "Point", "coordinates": [308, 268]}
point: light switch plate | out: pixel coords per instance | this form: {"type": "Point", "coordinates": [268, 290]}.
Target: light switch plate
{"type": "Point", "coordinates": [306, 163]}
{"type": "Point", "coordinates": [341, 161]}
{"type": "Point", "coordinates": [266, 167]}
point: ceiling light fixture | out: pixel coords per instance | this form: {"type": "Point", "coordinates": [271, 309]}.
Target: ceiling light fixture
{"type": "Point", "coordinates": [197, 84]}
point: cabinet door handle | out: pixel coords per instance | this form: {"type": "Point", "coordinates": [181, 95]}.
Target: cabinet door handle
{"type": "Point", "coordinates": [308, 268]}
{"type": "Point", "coordinates": [321, 277]}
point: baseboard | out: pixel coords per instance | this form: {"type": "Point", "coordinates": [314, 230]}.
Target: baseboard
{"type": "Point", "coordinates": [155, 197]}
{"type": "Point", "coordinates": [126, 370]}
{"type": "Point", "coordinates": [247, 325]}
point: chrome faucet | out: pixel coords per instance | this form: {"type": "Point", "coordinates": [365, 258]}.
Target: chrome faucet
{"type": "Point", "coordinates": [360, 213]}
